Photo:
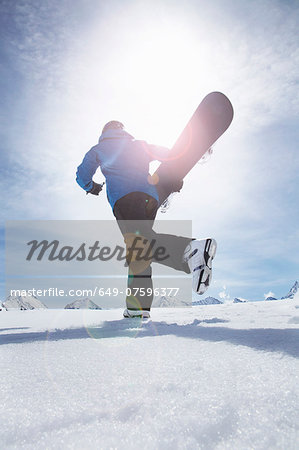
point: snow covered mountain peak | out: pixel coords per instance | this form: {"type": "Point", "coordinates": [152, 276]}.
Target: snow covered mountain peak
{"type": "Point", "coordinates": [82, 303]}
{"type": "Point", "coordinates": [207, 301]}
{"type": "Point", "coordinates": [169, 302]}
{"type": "Point", "coordinates": [23, 302]}
{"type": "Point", "coordinates": [294, 289]}
{"type": "Point", "coordinates": [240, 300]}
{"type": "Point", "coordinates": [2, 307]}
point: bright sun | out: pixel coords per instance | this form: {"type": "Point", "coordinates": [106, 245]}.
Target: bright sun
{"type": "Point", "coordinates": [152, 84]}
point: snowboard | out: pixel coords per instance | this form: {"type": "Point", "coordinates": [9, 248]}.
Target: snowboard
{"type": "Point", "coordinates": [209, 121]}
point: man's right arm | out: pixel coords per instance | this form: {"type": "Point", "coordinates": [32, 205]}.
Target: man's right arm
{"type": "Point", "coordinates": [86, 170]}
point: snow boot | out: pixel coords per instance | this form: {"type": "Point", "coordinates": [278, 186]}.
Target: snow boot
{"type": "Point", "coordinates": [136, 313]}
{"type": "Point", "coordinates": [199, 255]}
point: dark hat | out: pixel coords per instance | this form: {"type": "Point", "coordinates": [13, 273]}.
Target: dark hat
{"type": "Point", "coordinates": [114, 125]}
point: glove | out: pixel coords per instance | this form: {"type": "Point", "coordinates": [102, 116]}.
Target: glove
{"type": "Point", "coordinates": [96, 188]}
{"type": "Point", "coordinates": [177, 185]}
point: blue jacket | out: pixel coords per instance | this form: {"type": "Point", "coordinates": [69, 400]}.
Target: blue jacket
{"type": "Point", "coordinates": [124, 162]}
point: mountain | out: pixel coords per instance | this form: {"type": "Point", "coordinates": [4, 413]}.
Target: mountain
{"type": "Point", "coordinates": [82, 303]}
{"type": "Point", "coordinates": [23, 302]}
{"type": "Point", "coordinates": [169, 302]}
{"type": "Point", "coordinates": [294, 289]}
{"type": "Point", "coordinates": [240, 300]}
{"type": "Point", "coordinates": [270, 298]}
{"type": "Point", "coordinates": [2, 307]}
{"type": "Point", "coordinates": [207, 301]}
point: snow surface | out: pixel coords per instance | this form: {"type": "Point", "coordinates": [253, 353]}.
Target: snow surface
{"type": "Point", "coordinates": [207, 377]}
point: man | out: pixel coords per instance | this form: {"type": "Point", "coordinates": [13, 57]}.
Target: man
{"type": "Point", "coordinates": [134, 200]}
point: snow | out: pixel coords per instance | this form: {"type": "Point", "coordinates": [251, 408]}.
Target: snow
{"type": "Point", "coordinates": [207, 377]}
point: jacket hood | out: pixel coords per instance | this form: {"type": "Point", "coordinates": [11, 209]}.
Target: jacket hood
{"type": "Point", "coordinates": [115, 134]}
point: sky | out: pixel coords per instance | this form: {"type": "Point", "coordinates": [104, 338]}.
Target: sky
{"type": "Point", "coordinates": [68, 67]}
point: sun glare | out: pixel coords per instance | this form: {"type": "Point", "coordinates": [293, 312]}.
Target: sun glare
{"type": "Point", "coordinates": [163, 85]}
{"type": "Point", "coordinates": [151, 81]}
{"type": "Point", "coordinates": [155, 74]}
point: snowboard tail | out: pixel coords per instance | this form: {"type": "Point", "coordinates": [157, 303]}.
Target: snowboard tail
{"type": "Point", "coordinates": [210, 120]}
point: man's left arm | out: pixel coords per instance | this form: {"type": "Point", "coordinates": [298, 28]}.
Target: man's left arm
{"type": "Point", "coordinates": [161, 154]}
{"type": "Point", "coordinates": [158, 152]}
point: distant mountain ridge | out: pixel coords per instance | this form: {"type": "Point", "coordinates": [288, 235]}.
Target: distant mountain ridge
{"type": "Point", "coordinates": [292, 291]}
{"type": "Point", "coordinates": [239, 300]}
{"type": "Point", "coordinates": [29, 302]}
{"type": "Point", "coordinates": [169, 302]}
{"type": "Point", "coordinates": [207, 301]}
{"type": "Point", "coordinates": [23, 302]}
{"type": "Point", "coordinates": [2, 307]}
{"type": "Point", "coordinates": [82, 303]}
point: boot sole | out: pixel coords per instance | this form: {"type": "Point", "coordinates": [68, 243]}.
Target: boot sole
{"type": "Point", "coordinates": [205, 276]}
{"type": "Point", "coordinates": [136, 316]}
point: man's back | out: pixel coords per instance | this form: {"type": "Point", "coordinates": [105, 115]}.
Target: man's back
{"type": "Point", "coordinates": [124, 162]}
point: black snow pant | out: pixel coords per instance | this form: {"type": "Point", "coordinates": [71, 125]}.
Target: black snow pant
{"type": "Point", "coordinates": [135, 214]}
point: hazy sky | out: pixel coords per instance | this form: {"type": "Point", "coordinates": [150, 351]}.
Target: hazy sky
{"type": "Point", "coordinates": [69, 66]}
